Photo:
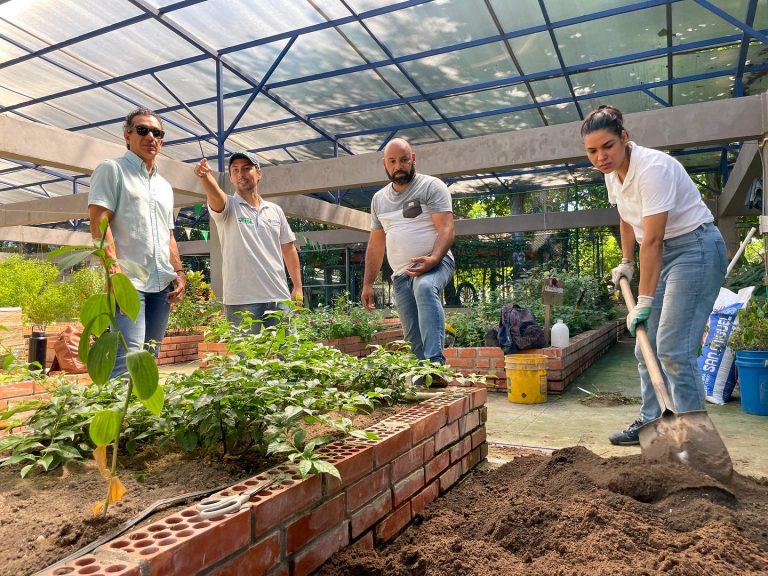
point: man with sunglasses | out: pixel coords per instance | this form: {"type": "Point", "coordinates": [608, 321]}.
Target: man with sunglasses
{"type": "Point", "coordinates": [138, 204]}
{"type": "Point", "coordinates": [257, 244]}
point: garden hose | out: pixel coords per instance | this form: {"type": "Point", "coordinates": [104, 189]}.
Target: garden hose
{"type": "Point", "coordinates": [130, 524]}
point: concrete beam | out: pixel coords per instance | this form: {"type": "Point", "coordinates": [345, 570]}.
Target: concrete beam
{"type": "Point", "coordinates": [721, 121]}
{"type": "Point", "coordinates": [34, 235]}
{"type": "Point", "coordinates": [747, 168]}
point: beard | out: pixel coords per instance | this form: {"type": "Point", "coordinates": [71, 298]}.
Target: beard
{"type": "Point", "coordinates": [401, 176]}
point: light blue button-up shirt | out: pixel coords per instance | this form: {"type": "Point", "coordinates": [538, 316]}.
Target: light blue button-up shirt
{"type": "Point", "coordinates": [142, 205]}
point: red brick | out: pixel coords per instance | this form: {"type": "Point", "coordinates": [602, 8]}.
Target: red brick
{"type": "Point", "coordinates": [392, 445]}
{"type": "Point", "coordinates": [184, 543]}
{"type": "Point", "coordinates": [365, 542]}
{"type": "Point", "coordinates": [467, 352]}
{"type": "Point", "coordinates": [282, 570]}
{"type": "Point", "coordinates": [429, 449]}
{"type": "Point", "coordinates": [451, 352]}
{"type": "Point", "coordinates": [471, 460]}
{"type": "Point", "coordinates": [490, 352]}
{"type": "Point", "coordinates": [367, 489]}
{"type": "Point", "coordinates": [480, 395]}
{"type": "Point", "coordinates": [393, 524]}
{"type": "Point", "coordinates": [255, 561]}
{"type": "Point", "coordinates": [469, 422]}
{"type": "Point", "coordinates": [426, 426]}
{"type": "Point", "coordinates": [90, 564]}
{"type": "Point", "coordinates": [419, 501]}
{"type": "Point", "coordinates": [353, 460]}
{"type": "Point", "coordinates": [478, 437]}
{"type": "Point", "coordinates": [407, 463]}
{"type": "Point", "coordinates": [457, 408]}
{"type": "Point", "coordinates": [447, 435]}
{"type": "Point", "coordinates": [460, 449]}
{"type": "Point", "coordinates": [15, 389]}
{"type": "Point", "coordinates": [368, 515]}
{"type": "Point", "coordinates": [319, 550]}
{"type": "Point", "coordinates": [273, 508]}
{"type": "Point", "coordinates": [483, 414]}
{"type": "Point", "coordinates": [436, 465]}
{"type": "Point", "coordinates": [457, 363]}
{"type": "Point", "coordinates": [450, 477]}
{"type": "Point", "coordinates": [483, 363]}
{"type": "Point", "coordinates": [309, 526]}
{"type": "Point", "coordinates": [407, 487]}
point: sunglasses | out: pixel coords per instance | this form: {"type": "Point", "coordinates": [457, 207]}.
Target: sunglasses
{"type": "Point", "coordinates": [142, 131]}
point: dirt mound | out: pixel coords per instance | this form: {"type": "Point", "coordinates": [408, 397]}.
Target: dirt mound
{"type": "Point", "coordinates": [576, 513]}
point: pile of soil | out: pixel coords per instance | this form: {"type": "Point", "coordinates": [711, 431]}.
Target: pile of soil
{"type": "Point", "coordinates": [575, 513]}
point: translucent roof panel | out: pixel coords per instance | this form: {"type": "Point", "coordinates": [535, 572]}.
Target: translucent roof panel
{"type": "Point", "coordinates": [432, 25]}
{"type": "Point", "coordinates": [358, 72]}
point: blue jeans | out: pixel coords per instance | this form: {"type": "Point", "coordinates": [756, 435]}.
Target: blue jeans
{"type": "Point", "coordinates": [234, 312]}
{"type": "Point", "coordinates": [693, 270]}
{"type": "Point", "coordinates": [421, 311]}
{"type": "Point", "coordinates": [149, 326]}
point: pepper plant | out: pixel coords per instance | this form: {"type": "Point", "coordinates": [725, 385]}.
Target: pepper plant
{"type": "Point", "coordinates": [98, 349]}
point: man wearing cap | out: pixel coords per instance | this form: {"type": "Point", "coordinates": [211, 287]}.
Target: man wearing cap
{"type": "Point", "coordinates": [257, 244]}
{"type": "Point", "coordinates": [138, 204]}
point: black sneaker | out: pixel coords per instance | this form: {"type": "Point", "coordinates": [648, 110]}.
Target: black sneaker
{"type": "Point", "coordinates": [628, 437]}
{"type": "Point", "coordinates": [437, 381]}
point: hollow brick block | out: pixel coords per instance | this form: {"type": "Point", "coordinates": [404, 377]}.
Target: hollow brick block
{"type": "Point", "coordinates": [407, 463]}
{"type": "Point", "coordinates": [95, 566]}
{"type": "Point", "coordinates": [319, 550]}
{"type": "Point", "coordinates": [407, 487]}
{"type": "Point", "coordinates": [317, 521]}
{"type": "Point", "coordinates": [368, 515]}
{"type": "Point", "coordinates": [450, 477]}
{"type": "Point", "coordinates": [255, 561]}
{"type": "Point", "coordinates": [429, 494]}
{"type": "Point", "coordinates": [362, 492]}
{"type": "Point", "coordinates": [184, 543]}
{"type": "Point", "coordinates": [436, 466]}
{"type": "Point", "coordinates": [393, 524]}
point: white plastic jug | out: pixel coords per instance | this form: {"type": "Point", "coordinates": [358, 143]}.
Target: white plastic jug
{"type": "Point", "coordinates": [560, 334]}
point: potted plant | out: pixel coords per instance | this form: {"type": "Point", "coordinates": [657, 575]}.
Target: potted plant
{"type": "Point", "coordinates": [750, 342]}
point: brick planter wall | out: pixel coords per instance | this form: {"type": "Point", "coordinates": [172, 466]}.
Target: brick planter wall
{"type": "Point", "coordinates": [179, 348]}
{"type": "Point", "coordinates": [292, 529]}
{"type": "Point", "coordinates": [564, 365]}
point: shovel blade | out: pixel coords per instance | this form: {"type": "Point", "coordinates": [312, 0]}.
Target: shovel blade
{"type": "Point", "coordinates": [690, 439]}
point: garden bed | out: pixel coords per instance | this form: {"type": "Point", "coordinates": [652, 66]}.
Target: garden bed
{"type": "Point", "coordinates": [421, 452]}
{"type": "Point", "coordinates": [564, 365]}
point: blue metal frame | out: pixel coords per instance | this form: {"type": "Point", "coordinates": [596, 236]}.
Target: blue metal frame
{"type": "Point", "coordinates": [263, 86]}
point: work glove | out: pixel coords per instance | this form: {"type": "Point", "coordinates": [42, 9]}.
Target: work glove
{"type": "Point", "coordinates": [639, 313]}
{"type": "Point", "coordinates": [626, 269]}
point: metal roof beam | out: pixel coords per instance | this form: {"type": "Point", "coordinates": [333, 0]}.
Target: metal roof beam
{"type": "Point", "coordinates": [735, 21]}
{"type": "Point", "coordinates": [744, 49]}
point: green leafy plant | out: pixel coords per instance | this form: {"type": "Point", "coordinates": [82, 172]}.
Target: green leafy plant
{"type": "Point", "coordinates": [44, 298]}
{"type": "Point", "coordinates": [345, 318]}
{"type": "Point", "coordinates": [97, 315]}
{"type": "Point", "coordinates": [751, 333]}
{"type": "Point", "coordinates": [197, 307]}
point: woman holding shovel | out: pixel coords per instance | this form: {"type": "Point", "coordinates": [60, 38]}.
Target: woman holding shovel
{"type": "Point", "coordinates": [682, 259]}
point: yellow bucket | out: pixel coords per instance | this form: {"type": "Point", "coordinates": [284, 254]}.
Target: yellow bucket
{"type": "Point", "coordinates": [526, 378]}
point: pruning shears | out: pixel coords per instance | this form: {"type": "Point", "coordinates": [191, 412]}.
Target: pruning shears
{"type": "Point", "coordinates": [211, 509]}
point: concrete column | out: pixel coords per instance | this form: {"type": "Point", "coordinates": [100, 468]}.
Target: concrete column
{"type": "Point", "coordinates": [727, 226]}
{"type": "Point", "coordinates": [763, 229]}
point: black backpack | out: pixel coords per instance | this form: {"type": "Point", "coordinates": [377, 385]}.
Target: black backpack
{"type": "Point", "coordinates": [518, 330]}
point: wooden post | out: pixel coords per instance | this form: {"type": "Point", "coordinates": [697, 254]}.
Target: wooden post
{"type": "Point", "coordinates": [547, 312]}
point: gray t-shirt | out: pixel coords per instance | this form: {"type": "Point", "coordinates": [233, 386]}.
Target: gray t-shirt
{"type": "Point", "coordinates": [252, 258]}
{"type": "Point", "coordinates": [406, 218]}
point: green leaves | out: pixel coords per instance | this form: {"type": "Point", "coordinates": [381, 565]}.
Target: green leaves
{"type": "Point", "coordinates": [105, 427]}
{"type": "Point", "coordinates": [145, 377]}
{"type": "Point", "coordinates": [126, 295]}
{"type": "Point", "coordinates": [101, 358]}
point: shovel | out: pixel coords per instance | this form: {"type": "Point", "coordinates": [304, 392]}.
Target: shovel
{"type": "Point", "coordinates": [689, 438]}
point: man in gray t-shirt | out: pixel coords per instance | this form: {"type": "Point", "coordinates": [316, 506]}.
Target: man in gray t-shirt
{"type": "Point", "coordinates": [256, 241]}
{"type": "Point", "coordinates": [412, 220]}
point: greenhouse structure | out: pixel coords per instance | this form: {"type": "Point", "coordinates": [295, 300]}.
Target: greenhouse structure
{"type": "Point", "coordinates": [491, 95]}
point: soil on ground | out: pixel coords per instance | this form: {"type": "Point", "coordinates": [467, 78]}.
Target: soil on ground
{"type": "Point", "coordinates": [575, 513]}
{"type": "Point", "coordinates": [45, 517]}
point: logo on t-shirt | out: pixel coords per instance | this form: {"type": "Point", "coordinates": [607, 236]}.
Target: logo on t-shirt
{"type": "Point", "coordinates": [411, 209]}
{"type": "Point", "coordinates": [245, 220]}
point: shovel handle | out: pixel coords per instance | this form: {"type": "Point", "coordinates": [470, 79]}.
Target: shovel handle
{"type": "Point", "coordinates": [651, 364]}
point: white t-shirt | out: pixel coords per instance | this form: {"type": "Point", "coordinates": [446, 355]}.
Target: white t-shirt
{"type": "Point", "coordinates": [406, 218]}
{"type": "Point", "coordinates": [656, 183]}
{"type": "Point", "coordinates": [252, 260]}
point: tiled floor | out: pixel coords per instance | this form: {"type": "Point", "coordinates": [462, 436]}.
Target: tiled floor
{"type": "Point", "coordinates": [564, 421]}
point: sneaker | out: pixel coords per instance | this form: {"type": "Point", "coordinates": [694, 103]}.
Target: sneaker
{"type": "Point", "coordinates": [628, 437]}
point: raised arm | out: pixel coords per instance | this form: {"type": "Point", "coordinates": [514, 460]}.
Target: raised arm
{"type": "Point", "coordinates": [216, 197]}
